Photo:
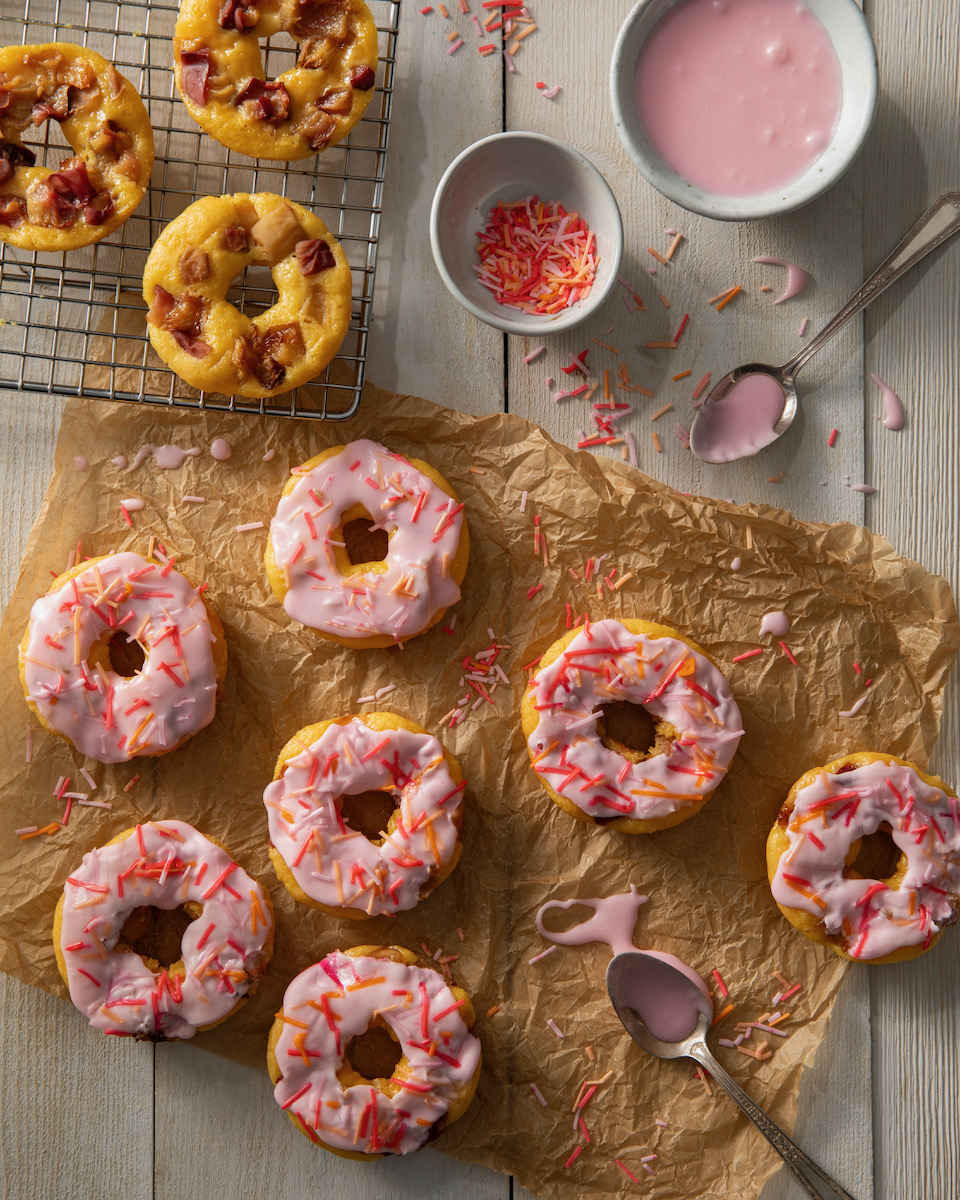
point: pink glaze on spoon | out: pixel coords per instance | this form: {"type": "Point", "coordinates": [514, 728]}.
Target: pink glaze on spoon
{"type": "Point", "coordinates": [797, 277]}
{"type": "Point", "coordinates": [892, 408]}
{"type": "Point", "coordinates": [741, 421]}
{"type": "Point", "coordinates": [667, 1012]}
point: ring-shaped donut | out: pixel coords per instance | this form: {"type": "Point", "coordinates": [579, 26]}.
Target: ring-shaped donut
{"type": "Point", "coordinates": [219, 69]}
{"type": "Point", "coordinates": [334, 1001]}
{"type": "Point", "coordinates": [65, 658]}
{"type": "Point", "coordinates": [100, 114]}
{"type": "Point", "coordinates": [376, 602]}
{"type": "Point", "coordinates": [320, 858]}
{"type": "Point", "coordinates": [594, 777]}
{"type": "Point", "coordinates": [813, 847]}
{"type": "Point", "coordinates": [224, 950]}
{"type": "Point", "coordinates": [204, 338]}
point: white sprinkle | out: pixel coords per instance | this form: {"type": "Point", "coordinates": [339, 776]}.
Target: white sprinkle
{"type": "Point", "coordinates": [29, 754]}
{"type": "Point", "coordinates": [194, 500]}
{"type": "Point", "coordinates": [248, 527]}
{"type": "Point", "coordinates": [74, 796]}
{"type": "Point", "coordinates": [802, 331]}
{"type": "Point", "coordinates": [551, 93]}
{"type": "Point", "coordinates": [648, 1158]}
{"type": "Point", "coordinates": [543, 954]}
{"type": "Point", "coordinates": [736, 563]}
{"type": "Point", "coordinates": [523, 502]}
{"type": "Point", "coordinates": [509, 61]}
{"type": "Point", "coordinates": [132, 505]}
{"type": "Point", "coordinates": [533, 1087]}
{"type": "Point", "coordinates": [455, 46]}
{"type": "Point", "coordinates": [850, 712]}
{"type": "Point", "coordinates": [385, 691]}
{"type": "Point", "coordinates": [662, 1124]}
{"type": "Point", "coordinates": [26, 829]}
{"type": "Point", "coordinates": [96, 803]}
{"type": "Point", "coordinates": [557, 1031]}
{"type": "Point", "coordinates": [89, 778]}
{"type": "Point", "coordinates": [366, 699]}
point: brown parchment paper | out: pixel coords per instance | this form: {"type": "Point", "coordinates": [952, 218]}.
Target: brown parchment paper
{"type": "Point", "coordinates": [849, 596]}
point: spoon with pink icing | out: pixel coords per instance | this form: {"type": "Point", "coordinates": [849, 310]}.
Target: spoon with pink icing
{"type": "Point", "coordinates": [752, 405]}
{"type": "Point", "coordinates": [666, 1008]}
{"type": "Point", "coordinates": [650, 994]}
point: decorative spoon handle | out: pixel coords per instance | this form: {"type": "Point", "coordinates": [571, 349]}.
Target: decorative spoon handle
{"type": "Point", "coordinates": [940, 222]}
{"type": "Point", "coordinates": [815, 1181]}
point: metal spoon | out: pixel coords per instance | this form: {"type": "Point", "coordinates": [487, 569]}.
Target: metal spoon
{"type": "Point", "coordinates": [623, 977]}
{"type": "Point", "coordinates": [938, 223]}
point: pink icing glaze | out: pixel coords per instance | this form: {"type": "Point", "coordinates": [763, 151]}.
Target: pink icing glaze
{"type": "Point", "coordinates": [739, 97]}
{"type": "Point", "coordinates": [777, 623]}
{"type": "Point", "coordinates": [892, 408]}
{"type": "Point", "coordinates": [667, 1011]}
{"type": "Point", "coordinates": [220, 449]}
{"type": "Point", "coordinates": [423, 524]}
{"type": "Point", "coordinates": [925, 825]}
{"type": "Point", "coordinates": [81, 462]}
{"type": "Point", "coordinates": [334, 864]}
{"type": "Point", "coordinates": [167, 458]}
{"type": "Point", "coordinates": [423, 1013]}
{"type": "Point", "coordinates": [739, 423]}
{"type": "Point", "coordinates": [797, 277]}
{"type": "Point", "coordinates": [162, 865]}
{"type": "Point", "coordinates": [106, 716]}
{"type": "Point", "coordinates": [641, 670]}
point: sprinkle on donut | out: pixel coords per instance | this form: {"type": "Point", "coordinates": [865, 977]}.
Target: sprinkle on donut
{"type": "Point", "coordinates": [123, 605]}
{"type": "Point", "coordinates": [362, 600]}
{"type": "Point", "coordinates": [812, 857]}
{"type": "Point", "coordinates": [320, 858]}
{"type": "Point", "coordinates": [337, 1000]}
{"type": "Point", "coordinates": [219, 69]}
{"type": "Point", "coordinates": [94, 191]}
{"type": "Point", "coordinates": [224, 951]}
{"type": "Point", "coordinates": [206, 339]}
{"type": "Point", "coordinates": [591, 775]}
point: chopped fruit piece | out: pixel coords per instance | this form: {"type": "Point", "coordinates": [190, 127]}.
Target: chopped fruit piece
{"type": "Point", "coordinates": [195, 73]}
{"type": "Point", "coordinates": [182, 318]}
{"type": "Point", "coordinates": [264, 101]}
{"type": "Point", "coordinates": [317, 127]}
{"type": "Point", "coordinates": [238, 14]}
{"type": "Point", "coordinates": [362, 78]}
{"type": "Point", "coordinates": [110, 141]}
{"type": "Point", "coordinates": [11, 209]}
{"type": "Point", "coordinates": [314, 256]}
{"type": "Point", "coordinates": [194, 265]}
{"type": "Point", "coordinates": [335, 100]}
{"type": "Point", "coordinates": [278, 232]}
{"type": "Point", "coordinates": [234, 238]}
{"type": "Point", "coordinates": [328, 19]}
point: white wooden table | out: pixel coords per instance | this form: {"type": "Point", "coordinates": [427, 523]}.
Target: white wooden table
{"type": "Point", "coordinates": [87, 1116]}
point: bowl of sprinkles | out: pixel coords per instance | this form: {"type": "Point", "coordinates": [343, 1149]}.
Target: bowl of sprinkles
{"type": "Point", "coordinates": [526, 233]}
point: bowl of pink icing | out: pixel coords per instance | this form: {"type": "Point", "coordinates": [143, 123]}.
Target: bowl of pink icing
{"type": "Point", "coordinates": [742, 109]}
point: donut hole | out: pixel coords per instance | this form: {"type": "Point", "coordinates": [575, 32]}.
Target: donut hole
{"type": "Point", "coordinates": [364, 548]}
{"type": "Point", "coordinates": [156, 934]}
{"type": "Point", "coordinates": [629, 730]}
{"type": "Point", "coordinates": [126, 655]}
{"type": "Point", "coordinates": [369, 813]}
{"type": "Point", "coordinates": [875, 856]}
{"type": "Point", "coordinates": [254, 290]}
{"type": "Point", "coordinates": [373, 1054]}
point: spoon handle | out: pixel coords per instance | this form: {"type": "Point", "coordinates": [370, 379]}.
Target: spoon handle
{"type": "Point", "coordinates": [940, 222]}
{"type": "Point", "coordinates": [815, 1181]}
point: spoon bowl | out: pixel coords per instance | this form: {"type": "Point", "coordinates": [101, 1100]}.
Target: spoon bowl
{"type": "Point", "coordinates": [645, 986]}
{"type": "Point", "coordinates": [723, 432]}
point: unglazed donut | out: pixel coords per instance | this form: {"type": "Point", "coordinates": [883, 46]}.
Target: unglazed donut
{"type": "Point", "coordinates": [106, 124]}
{"type": "Point", "coordinates": [373, 603]}
{"type": "Point", "coordinates": [219, 71]}
{"type": "Point", "coordinates": [207, 341]}
{"type": "Point", "coordinates": [320, 859]}
{"type": "Point", "coordinates": [595, 778]}
{"type": "Point", "coordinates": [336, 1000]}
{"type": "Point", "coordinates": [65, 664]}
{"type": "Point", "coordinates": [815, 841]}
{"type": "Point", "coordinates": [224, 951]}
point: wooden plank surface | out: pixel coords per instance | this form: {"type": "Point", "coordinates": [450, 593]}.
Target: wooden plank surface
{"type": "Point", "coordinates": [422, 343]}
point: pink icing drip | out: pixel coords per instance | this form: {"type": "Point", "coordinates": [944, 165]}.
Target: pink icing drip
{"type": "Point", "coordinates": [777, 623]}
{"type": "Point", "coordinates": [869, 796]}
{"type": "Point", "coordinates": [373, 879]}
{"type": "Point", "coordinates": [892, 408]}
{"type": "Point", "coordinates": [138, 1002]}
{"type": "Point", "coordinates": [167, 458]}
{"type": "Point", "coordinates": [423, 524]}
{"type": "Point", "coordinates": [101, 711]}
{"type": "Point", "coordinates": [308, 1091]}
{"type": "Point", "coordinates": [668, 1012]}
{"type": "Point", "coordinates": [220, 449]}
{"type": "Point", "coordinates": [797, 277]}
{"type": "Point", "coordinates": [579, 767]}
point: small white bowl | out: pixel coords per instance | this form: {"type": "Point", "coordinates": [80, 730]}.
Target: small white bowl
{"type": "Point", "coordinates": [847, 29]}
{"type": "Point", "coordinates": [510, 166]}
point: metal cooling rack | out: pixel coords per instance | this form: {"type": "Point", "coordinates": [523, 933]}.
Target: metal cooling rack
{"type": "Point", "coordinates": [72, 324]}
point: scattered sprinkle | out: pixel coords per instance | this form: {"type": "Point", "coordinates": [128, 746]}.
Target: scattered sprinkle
{"type": "Point", "coordinates": [250, 525]}
{"type": "Point", "coordinates": [539, 1095]}
{"type": "Point", "coordinates": [831, 440]}
{"type": "Point", "coordinates": [553, 1026]}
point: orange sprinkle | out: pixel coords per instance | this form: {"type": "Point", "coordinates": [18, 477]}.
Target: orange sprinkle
{"type": "Point", "coordinates": [723, 303]}
{"type": "Point", "coordinates": [664, 301]}
{"type": "Point", "coordinates": [612, 349]}
{"type": "Point", "coordinates": [682, 375]}
{"type": "Point", "coordinates": [51, 828]}
{"type": "Point", "coordinates": [723, 1013]}
{"type": "Point", "coordinates": [656, 443]}
{"type": "Point", "coordinates": [281, 1016]}
{"type": "Point", "coordinates": [355, 987]}
{"type": "Point", "coordinates": [494, 1009]}
{"type": "Point", "coordinates": [660, 411]}
{"type": "Point", "coordinates": [673, 247]}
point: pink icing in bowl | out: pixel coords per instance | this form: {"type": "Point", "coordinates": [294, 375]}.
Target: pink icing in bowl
{"type": "Point", "coordinates": [732, 185]}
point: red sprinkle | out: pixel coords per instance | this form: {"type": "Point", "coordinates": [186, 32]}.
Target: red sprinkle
{"type": "Point", "coordinates": [833, 437]}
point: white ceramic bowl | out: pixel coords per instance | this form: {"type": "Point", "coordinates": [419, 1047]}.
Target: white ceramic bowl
{"type": "Point", "coordinates": [509, 166]}
{"type": "Point", "coordinates": [847, 29]}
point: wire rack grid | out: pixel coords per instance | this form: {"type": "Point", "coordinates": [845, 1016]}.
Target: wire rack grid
{"type": "Point", "coordinates": [73, 323]}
